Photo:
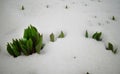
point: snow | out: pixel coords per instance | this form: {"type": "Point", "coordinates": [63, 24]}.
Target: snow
{"type": "Point", "coordinates": [73, 54]}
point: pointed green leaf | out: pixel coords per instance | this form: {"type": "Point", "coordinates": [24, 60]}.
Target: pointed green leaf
{"type": "Point", "coordinates": [15, 50]}
{"type": "Point", "coordinates": [23, 46]}
{"type": "Point", "coordinates": [9, 49]}
{"type": "Point", "coordinates": [52, 37]}
{"type": "Point", "coordinates": [29, 45]}
{"type": "Point", "coordinates": [61, 35]}
{"type": "Point", "coordinates": [39, 45]}
{"type": "Point", "coordinates": [98, 36]}
{"type": "Point", "coordinates": [22, 8]}
{"type": "Point", "coordinates": [35, 35]}
{"type": "Point", "coordinates": [37, 48]}
{"type": "Point", "coordinates": [94, 35]}
{"type": "Point", "coordinates": [110, 46]}
{"type": "Point", "coordinates": [113, 18]}
{"type": "Point", "coordinates": [16, 44]}
{"type": "Point", "coordinates": [86, 34]}
{"type": "Point", "coordinates": [33, 28]}
{"type": "Point", "coordinates": [29, 32]}
{"type": "Point", "coordinates": [25, 34]}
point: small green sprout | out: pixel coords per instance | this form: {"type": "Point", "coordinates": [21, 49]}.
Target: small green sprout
{"type": "Point", "coordinates": [113, 18]}
{"type": "Point", "coordinates": [52, 37]}
{"type": "Point", "coordinates": [22, 7]}
{"type": "Point", "coordinates": [110, 47]}
{"type": "Point", "coordinates": [62, 35]}
{"type": "Point", "coordinates": [12, 48]}
{"type": "Point", "coordinates": [86, 34]}
{"type": "Point", "coordinates": [97, 36]}
{"type": "Point", "coordinates": [66, 7]}
{"type": "Point", "coordinates": [87, 73]}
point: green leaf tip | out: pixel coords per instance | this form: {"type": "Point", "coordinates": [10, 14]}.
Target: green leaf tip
{"type": "Point", "coordinates": [9, 49]}
{"type": "Point", "coordinates": [86, 34]}
{"type": "Point", "coordinates": [52, 37]}
{"type": "Point", "coordinates": [29, 45]}
{"type": "Point", "coordinates": [113, 18]}
{"type": "Point", "coordinates": [39, 44]}
{"type": "Point", "coordinates": [22, 8]}
{"type": "Point", "coordinates": [62, 35]}
{"type": "Point", "coordinates": [97, 36]}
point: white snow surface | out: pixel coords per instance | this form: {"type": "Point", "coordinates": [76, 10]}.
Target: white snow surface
{"type": "Point", "coordinates": [73, 54]}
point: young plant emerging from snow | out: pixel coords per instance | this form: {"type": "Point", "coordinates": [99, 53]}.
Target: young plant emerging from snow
{"type": "Point", "coordinates": [113, 18]}
{"type": "Point", "coordinates": [62, 35]}
{"type": "Point", "coordinates": [22, 7]}
{"type": "Point", "coordinates": [97, 36]}
{"type": "Point", "coordinates": [110, 47]}
{"type": "Point", "coordinates": [66, 7]}
{"type": "Point", "coordinates": [31, 42]}
{"type": "Point", "coordinates": [87, 73]}
{"type": "Point", "coordinates": [52, 37]}
{"type": "Point", "coordinates": [86, 34]}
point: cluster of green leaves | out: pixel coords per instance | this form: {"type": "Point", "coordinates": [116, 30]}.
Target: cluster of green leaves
{"type": "Point", "coordinates": [52, 36]}
{"type": "Point", "coordinates": [110, 47]}
{"type": "Point", "coordinates": [31, 42]}
{"type": "Point", "coordinates": [96, 36]}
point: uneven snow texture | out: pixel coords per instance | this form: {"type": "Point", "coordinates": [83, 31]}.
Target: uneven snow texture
{"type": "Point", "coordinates": [73, 54]}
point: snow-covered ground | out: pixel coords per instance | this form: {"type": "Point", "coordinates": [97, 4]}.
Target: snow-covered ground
{"type": "Point", "coordinates": [73, 54]}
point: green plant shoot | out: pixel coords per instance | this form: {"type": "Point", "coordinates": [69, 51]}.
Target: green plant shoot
{"type": "Point", "coordinates": [22, 7]}
{"type": "Point", "coordinates": [86, 34]}
{"type": "Point", "coordinates": [62, 35]}
{"type": "Point", "coordinates": [31, 42]}
{"type": "Point", "coordinates": [52, 37]}
{"type": "Point", "coordinates": [97, 36]}
{"type": "Point", "coordinates": [110, 47]}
